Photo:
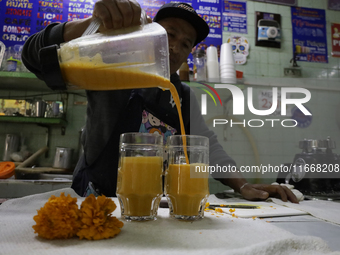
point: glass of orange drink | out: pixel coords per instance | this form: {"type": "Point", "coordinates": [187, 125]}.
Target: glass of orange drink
{"type": "Point", "coordinates": [186, 176]}
{"type": "Point", "coordinates": [140, 171]}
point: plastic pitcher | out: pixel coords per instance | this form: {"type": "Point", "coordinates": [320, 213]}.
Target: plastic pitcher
{"type": "Point", "coordinates": [136, 57]}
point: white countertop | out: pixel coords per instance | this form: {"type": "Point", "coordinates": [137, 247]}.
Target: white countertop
{"type": "Point", "coordinates": [216, 233]}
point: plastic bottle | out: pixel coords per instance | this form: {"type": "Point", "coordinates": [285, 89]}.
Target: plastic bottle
{"type": "Point", "coordinates": [184, 72]}
{"type": "Point", "coordinates": [199, 65]}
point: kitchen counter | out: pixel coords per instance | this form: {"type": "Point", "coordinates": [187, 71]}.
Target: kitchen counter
{"type": "Point", "coordinates": [13, 188]}
{"type": "Point", "coordinates": [217, 233]}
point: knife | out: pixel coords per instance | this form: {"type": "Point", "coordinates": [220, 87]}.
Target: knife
{"type": "Point", "coordinates": [213, 206]}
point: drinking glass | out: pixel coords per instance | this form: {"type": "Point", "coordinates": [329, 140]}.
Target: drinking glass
{"type": "Point", "coordinates": [140, 170]}
{"type": "Point", "coordinates": [186, 177]}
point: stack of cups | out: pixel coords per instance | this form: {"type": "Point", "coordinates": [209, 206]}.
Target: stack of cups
{"type": "Point", "coordinates": [227, 62]}
{"type": "Point", "coordinates": [213, 70]}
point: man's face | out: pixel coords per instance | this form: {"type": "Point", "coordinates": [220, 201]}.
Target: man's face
{"type": "Point", "coordinates": [181, 36]}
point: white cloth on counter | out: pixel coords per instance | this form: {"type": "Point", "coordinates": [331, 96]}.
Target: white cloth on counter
{"type": "Point", "coordinates": [322, 209]}
{"type": "Point", "coordinates": [215, 234]}
{"type": "Point", "coordinates": [296, 192]}
{"type": "Point", "coordinates": [325, 210]}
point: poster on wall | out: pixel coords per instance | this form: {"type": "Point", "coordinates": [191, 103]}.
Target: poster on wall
{"type": "Point", "coordinates": [283, 2]}
{"type": "Point", "coordinates": [268, 29]}
{"type": "Point", "coordinates": [334, 5]}
{"type": "Point", "coordinates": [265, 102]}
{"type": "Point", "coordinates": [234, 17]}
{"type": "Point", "coordinates": [152, 7]}
{"type": "Point", "coordinates": [210, 11]}
{"type": "Point", "coordinates": [49, 12]}
{"type": "Point", "coordinates": [335, 31]}
{"type": "Point", "coordinates": [19, 19]}
{"type": "Point", "coordinates": [309, 34]}
{"type": "Point", "coordinates": [79, 9]}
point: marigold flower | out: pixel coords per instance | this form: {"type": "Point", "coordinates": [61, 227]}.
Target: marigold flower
{"type": "Point", "coordinates": [219, 210]}
{"type": "Point", "coordinates": [96, 219]}
{"type": "Point", "coordinates": [58, 219]}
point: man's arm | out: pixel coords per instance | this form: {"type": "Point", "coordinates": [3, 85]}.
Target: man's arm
{"type": "Point", "coordinates": [113, 14]}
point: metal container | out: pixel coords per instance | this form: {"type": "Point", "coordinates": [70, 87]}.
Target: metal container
{"type": "Point", "coordinates": [63, 158]}
{"type": "Point", "coordinates": [40, 108]}
{"type": "Point", "coordinates": [11, 145]}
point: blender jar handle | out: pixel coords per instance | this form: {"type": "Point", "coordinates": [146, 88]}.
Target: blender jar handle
{"type": "Point", "coordinates": [50, 67]}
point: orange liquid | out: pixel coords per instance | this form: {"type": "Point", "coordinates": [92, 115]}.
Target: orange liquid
{"type": "Point", "coordinates": [94, 74]}
{"type": "Point", "coordinates": [139, 184]}
{"type": "Point", "coordinates": [185, 192]}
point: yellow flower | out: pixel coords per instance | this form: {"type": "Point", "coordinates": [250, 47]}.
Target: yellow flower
{"type": "Point", "coordinates": [58, 219]}
{"type": "Point", "coordinates": [219, 210]}
{"type": "Point", "coordinates": [96, 219]}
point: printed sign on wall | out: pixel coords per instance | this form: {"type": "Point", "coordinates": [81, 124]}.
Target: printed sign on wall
{"type": "Point", "coordinates": [210, 11]}
{"type": "Point", "coordinates": [21, 18]}
{"type": "Point", "coordinates": [334, 5]}
{"type": "Point", "coordinates": [235, 17]}
{"type": "Point", "coordinates": [79, 9]}
{"type": "Point", "coordinates": [335, 31]}
{"type": "Point", "coordinates": [309, 34]}
{"type": "Point", "coordinates": [265, 98]}
{"type": "Point", "coordinates": [283, 2]}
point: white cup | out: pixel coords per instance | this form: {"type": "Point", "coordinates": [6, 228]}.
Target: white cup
{"type": "Point", "coordinates": [228, 72]}
{"type": "Point", "coordinates": [228, 77]}
{"type": "Point", "coordinates": [212, 54]}
{"type": "Point", "coordinates": [228, 80]}
{"type": "Point", "coordinates": [227, 55]}
{"type": "Point", "coordinates": [213, 70]}
{"type": "Point", "coordinates": [227, 66]}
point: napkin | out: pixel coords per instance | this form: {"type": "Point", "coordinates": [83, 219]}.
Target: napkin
{"type": "Point", "coordinates": [215, 234]}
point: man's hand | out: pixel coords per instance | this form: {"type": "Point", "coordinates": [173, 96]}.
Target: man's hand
{"type": "Point", "coordinates": [263, 191]}
{"type": "Point", "coordinates": [116, 14]}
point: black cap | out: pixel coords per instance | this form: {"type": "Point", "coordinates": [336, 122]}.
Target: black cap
{"type": "Point", "coordinates": [186, 12]}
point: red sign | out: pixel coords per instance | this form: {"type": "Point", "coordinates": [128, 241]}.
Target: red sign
{"type": "Point", "coordinates": [335, 40]}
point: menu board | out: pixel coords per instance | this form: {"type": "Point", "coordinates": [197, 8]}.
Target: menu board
{"type": "Point", "coordinates": [210, 11]}
{"type": "Point", "coordinates": [235, 17]}
{"type": "Point", "coordinates": [21, 18]}
{"type": "Point", "coordinates": [17, 21]}
{"type": "Point", "coordinates": [309, 34]}
{"type": "Point", "coordinates": [79, 9]}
